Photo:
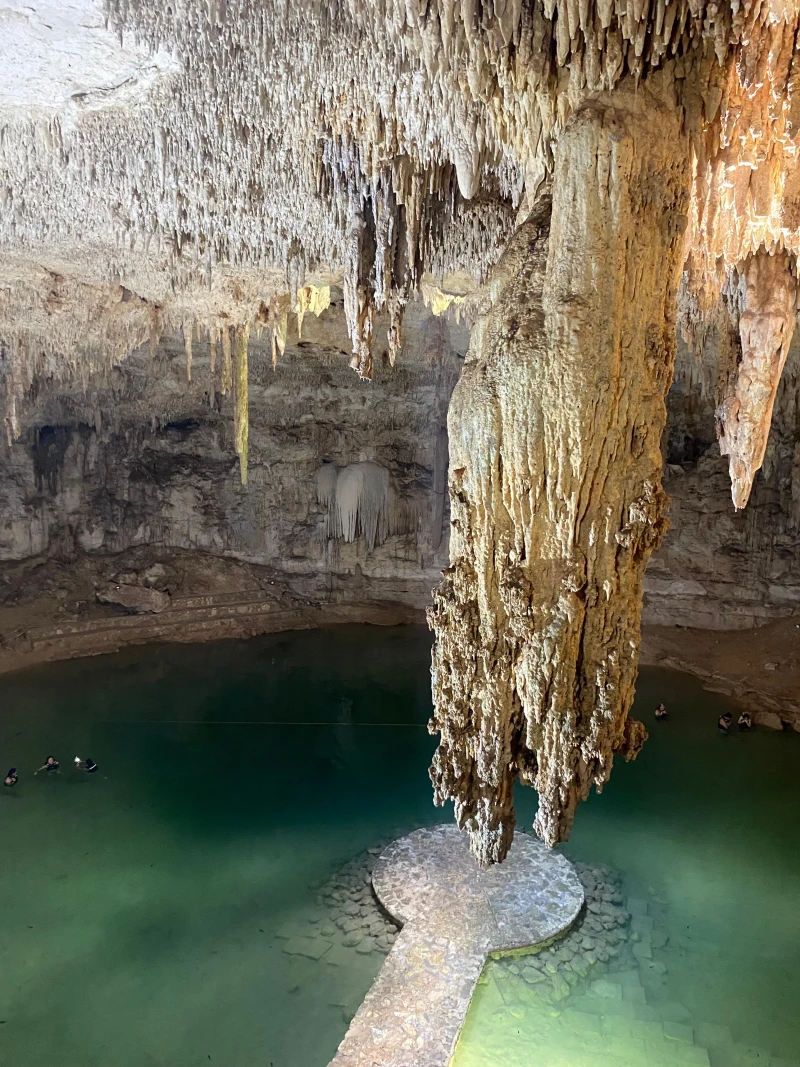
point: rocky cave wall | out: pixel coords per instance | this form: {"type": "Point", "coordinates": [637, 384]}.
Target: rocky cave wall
{"type": "Point", "coordinates": [143, 457]}
{"type": "Point", "coordinates": [718, 567]}
{"type": "Point", "coordinates": [239, 159]}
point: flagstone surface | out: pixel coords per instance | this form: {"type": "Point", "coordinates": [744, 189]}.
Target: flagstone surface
{"type": "Point", "coordinates": [454, 915]}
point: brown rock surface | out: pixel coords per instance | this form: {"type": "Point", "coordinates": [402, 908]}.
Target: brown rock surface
{"type": "Point", "coordinates": [767, 314]}
{"type": "Point", "coordinates": [759, 669]}
{"type": "Point", "coordinates": [136, 599]}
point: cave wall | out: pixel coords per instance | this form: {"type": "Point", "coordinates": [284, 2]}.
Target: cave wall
{"type": "Point", "coordinates": [719, 568]}
{"type": "Point", "coordinates": [141, 456]}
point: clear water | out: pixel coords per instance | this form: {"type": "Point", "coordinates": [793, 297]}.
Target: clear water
{"type": "Point", "coordinates": [139, 907]}
{"type": "Point", "coordinates": [706, 828]}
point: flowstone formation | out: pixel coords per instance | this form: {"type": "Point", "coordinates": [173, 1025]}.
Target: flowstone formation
{"type": "Point", "coordinates": [555, 481]}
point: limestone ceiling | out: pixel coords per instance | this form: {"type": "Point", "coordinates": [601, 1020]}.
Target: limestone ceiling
{"type": "Point", "coordinates": [60, 55]}
{"type": "Point", "coordinates": [208, 155]}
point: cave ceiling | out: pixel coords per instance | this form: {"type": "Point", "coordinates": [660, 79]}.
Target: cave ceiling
{"type": "Point", "coordinates": [206, 155]}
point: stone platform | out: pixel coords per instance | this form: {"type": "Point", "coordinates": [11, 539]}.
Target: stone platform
{"type": "Point", "coordinates": [454, 915]}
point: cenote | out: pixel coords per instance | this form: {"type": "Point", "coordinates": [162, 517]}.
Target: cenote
{"type": "Point", "coordinates": [142, 907]}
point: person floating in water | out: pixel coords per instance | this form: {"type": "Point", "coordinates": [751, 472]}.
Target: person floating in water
{"type": "Point", "coordinates": [11, 778]}
{"type": "Point", "coordinates": [745, 722]}
{"type": "Point", "coordinates": [50, 765]}
{"type": "Point", "coordinates": [661, 712]}
{"type": "Point", "coordinates": [88, 765]}
{"type": "Point", "coordinates": [724, 722]}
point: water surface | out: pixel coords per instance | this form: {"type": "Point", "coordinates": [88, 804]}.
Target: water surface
{"type": "Point", "coordinates": [140, 907]}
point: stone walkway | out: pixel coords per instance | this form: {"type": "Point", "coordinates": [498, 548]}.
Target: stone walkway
{"type": "Point", "coordinates": [454, 915]}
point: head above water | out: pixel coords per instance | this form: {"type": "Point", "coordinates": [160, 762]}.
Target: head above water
{"type": "Point", "coordinates": [50, 759]}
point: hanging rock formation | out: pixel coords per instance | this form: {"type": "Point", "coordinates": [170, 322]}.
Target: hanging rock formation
{"type": "Point", "coordinates": [241, 386]}
{"type": "Point", "coordinates": [360, 500]}
{"type": "Point", "coordinates": [765, 294]}
{"type": "Point", "coordinates": [555, 480]}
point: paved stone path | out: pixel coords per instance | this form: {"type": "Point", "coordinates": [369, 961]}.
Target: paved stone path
{"type": "Point", "coordinates": [454, 916]}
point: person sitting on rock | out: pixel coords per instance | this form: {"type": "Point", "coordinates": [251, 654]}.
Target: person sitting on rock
{"type": "Point", "coordinates": [745, 722]}
{"type": "Point", "coordinates": [724, 722]}
{"type": "Point", "coordinates": [661, 712]}
{"type": "Point", "coordinates": [50, 765]}
{"type": "Point", "coordinates": [11, 778]}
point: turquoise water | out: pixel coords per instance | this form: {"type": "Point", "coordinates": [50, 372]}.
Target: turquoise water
{"type": "Point", "coordinates": [141, 907]}
{"type": "Point", "coordinates": [705, 828]}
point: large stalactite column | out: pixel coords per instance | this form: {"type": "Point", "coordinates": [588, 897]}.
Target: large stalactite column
{"type": "Point", "coordinates": [555, 480]}
{"type": "Point", "coordinates": [767, 293]}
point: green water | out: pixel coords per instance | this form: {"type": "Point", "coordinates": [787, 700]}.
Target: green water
{"type": "Point", "coordinates": [706, 828]}
{"type": "Point", "coordinates": [139, 907]}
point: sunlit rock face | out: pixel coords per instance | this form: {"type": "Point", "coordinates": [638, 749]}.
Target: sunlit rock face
{"type": "Point", "coordinates": [210, 171]}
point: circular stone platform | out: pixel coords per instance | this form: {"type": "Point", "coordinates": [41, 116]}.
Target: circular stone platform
{"type": "Point", "coordinates": [431, 877]}
{"type": "Point", "coordinates": [454, 915]}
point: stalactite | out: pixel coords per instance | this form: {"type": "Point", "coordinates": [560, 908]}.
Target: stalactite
{"type": "Point", "coordinates": [212, 349]}
{"type": "Point", "coordinates": [395, 331]}
{"type": "Point", "coordinates": [226, 378]}
{"type": "Point", "coordinates": [359, 307]}
{"type": "Point", "coordinates": [326, 478]}
{"type": "Point", "coordinates": [767, 312]}
{"type": "Point", "coordinates": [360, 500]}
{"type": "Point", "coordinates": [241, 403]}
{"type": "Point", "coordinates": [187, 341]}
{"type": "Point", "coordinates": [555, 480]}
{"type": "Point", "coordinates": [311, 299]}
{"type": "Point", "coordinates": [432, 128]}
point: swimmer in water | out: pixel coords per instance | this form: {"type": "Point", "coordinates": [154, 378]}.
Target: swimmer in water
{"type": "Point", "coordinates": [88, 765]}
{"type": "Point", "coordinates": [724, 722]}
{"type": "Point", "coordinates": [661, 712]}
{"type": "Point", "coordinates": [745, 722]}
{"type": "Point", "coordinates": [11, 778]}
{"type": "Point", "coordinates": [50, 765]}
